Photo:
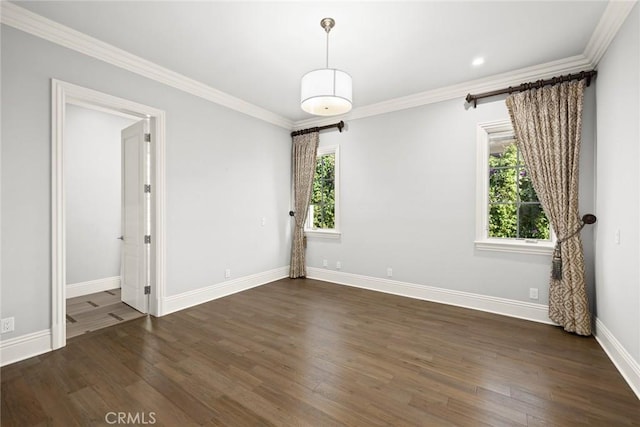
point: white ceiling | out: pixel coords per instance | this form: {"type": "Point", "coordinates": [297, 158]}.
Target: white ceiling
{"type": "Point", "coordinates": [258, 51]}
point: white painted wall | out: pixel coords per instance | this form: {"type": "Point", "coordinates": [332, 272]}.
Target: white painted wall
{"type": "Point", "coordinates": [93, 193]}
{"type": "Point", "coordinates": [408, 202]}
{"type": "Point", "coordinates": [618, 187]}
{"type": "Point", "coordinates": [224, 172]}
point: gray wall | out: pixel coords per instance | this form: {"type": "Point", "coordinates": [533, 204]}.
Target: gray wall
{"type": "Point", "coordinates": [618, 189]}
{"type": "Point", "coordinates": [408, 189]}
{"type": "Point", "coordinates": [408, 183]}
{"type": "Point", "coordinates": [225, 171]}
{"type": "Point", "coordinates": [93, 193]}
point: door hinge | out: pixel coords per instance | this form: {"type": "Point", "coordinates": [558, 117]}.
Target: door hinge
{"type": "Point", "coordinates": [147, 290]}
{"type": "Point", "coordinates": [147, 239]}
{"type": "Point", "coordinates": [147, 188]}
{"type": "Point", "coordinates": [147, 137]}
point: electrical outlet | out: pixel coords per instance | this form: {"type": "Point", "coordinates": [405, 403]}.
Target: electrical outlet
{"type": "Point", "coordinates": [7, 325]}
{"type": "Point", "coordinates": [617, 237]}
{"type": "Point", "coordinates": [325, 263]}
{"type": "Point", "coordinates": [389, 272]}
{"type": "Point", "coordinates": [263, 222]}
{"type": "Point", "coordinates": [338, 265]}
{"type": "Point", "coordinates": [227, 273]}
{"type": "Point", "coordinates": [533, 293]}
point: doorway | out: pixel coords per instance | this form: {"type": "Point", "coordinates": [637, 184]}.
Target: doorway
{"type": "Point", "coordinates": [106, 162]}
{"type": "Point", "coordinates": [143, 217]}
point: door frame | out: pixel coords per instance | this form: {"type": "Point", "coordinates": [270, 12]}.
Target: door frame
{"type": "Point", "coordinates": [63, 93]}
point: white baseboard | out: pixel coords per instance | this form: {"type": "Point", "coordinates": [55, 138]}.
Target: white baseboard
{"type": "Point", "coordinates": [189, 299]}
{"type": "Point", "coordinates": [503, 306]}
{"type": "Point", "coordinates": [92, 286]}
{"type": "Point", "coordinates": [628, 367]}
{"type": "Point", "coordinates": [25, 346]}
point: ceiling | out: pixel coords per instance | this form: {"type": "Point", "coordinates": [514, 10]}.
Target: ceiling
{"type": "Point", "coordinates": [258, 51]}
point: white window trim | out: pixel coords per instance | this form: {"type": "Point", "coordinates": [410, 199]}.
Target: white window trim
{"type": "Point", "coordinates": [333, 233]}
{"type": "Point", "coordinates": [482, 242]}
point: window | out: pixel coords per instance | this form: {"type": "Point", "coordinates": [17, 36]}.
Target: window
{"type": "Point", "coordinates": [509, 214]}
{"type": "Point", "coordinates": [322, 219]}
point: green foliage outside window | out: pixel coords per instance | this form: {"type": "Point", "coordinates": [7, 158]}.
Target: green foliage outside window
{"type": "Point", "coordinates": [324, 192]}
{"type": "Point", "coordinates": [514, 208]}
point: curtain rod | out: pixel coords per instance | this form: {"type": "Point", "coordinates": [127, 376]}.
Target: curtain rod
{"type": "Point", "coordinates": [533, 85]}
{"type": "Point", "coordinates": [338, 125]}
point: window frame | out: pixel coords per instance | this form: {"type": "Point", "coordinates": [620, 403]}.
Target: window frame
{"type": "Point", "coordinates": [332, 233]}
{"type": "Point", "coordinates": [485, 133]}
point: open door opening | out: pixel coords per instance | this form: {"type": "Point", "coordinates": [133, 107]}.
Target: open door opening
{"type": "Point", "coordinates": [141, 259]}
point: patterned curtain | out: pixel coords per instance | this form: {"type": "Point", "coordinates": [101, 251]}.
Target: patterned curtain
{"type": "Point", "coordinates": [304, 148]}
{"type": "Point", "coordinates": [547, 124]}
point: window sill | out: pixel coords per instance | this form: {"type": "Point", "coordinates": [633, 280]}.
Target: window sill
{"type": "Point", "coordinates": [516, 246]}
{"type": "Point", "coordinates": [324, 234]}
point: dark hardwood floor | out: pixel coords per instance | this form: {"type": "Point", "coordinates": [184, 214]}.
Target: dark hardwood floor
{"type": "Point", "coordinates": [309, 353]}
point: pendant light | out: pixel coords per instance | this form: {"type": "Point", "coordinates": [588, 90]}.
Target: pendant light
{"type": "Point", "coordinates": [326, 92]}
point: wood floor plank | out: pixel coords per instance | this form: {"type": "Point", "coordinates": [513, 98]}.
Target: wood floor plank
{"type": "Point", "coordinates": [310, 353]}
{"type": "Point", "coordinates": [60, 412]}
{"type": "Point", "coordinates": [89, 406]}
{"type": "Point", "coordinates": [180, 396]}
{"type": "Point", "coordinates": [164, 410]}
{"type": "Point", "coordinates": [21, 406]}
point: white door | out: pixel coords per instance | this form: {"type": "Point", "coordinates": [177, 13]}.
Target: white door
{"type": "Point", "coordinates": [134, 277]}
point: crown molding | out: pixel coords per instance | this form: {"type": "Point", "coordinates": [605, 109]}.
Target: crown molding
{"type": "Point", "coordinates": [612, 19]}
{"type": "Point", "coordinates": [323, 121]}
{"type": "Point", "coordinates": [547, 70]}
{"type": "Point", "coordinates": [32, 23]}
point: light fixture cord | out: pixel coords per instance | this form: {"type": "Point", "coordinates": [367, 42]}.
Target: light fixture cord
{"type": "Point", "coordinates": [327, 48]}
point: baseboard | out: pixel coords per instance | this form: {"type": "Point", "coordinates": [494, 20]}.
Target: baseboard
{"type": "Point", "coordinates": [92, 286]}
{"type": "Point", "coordinates": [189, 299]}
{"type": "Point", "coordinates": [503, 306]}
{"type": "Point", "coordinates": [628, 367]}
{"type": "Point", "coordinates": [25, 346]}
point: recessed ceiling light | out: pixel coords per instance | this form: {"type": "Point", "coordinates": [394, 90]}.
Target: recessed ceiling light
{"type": "Point", "coordinates": [477, 61]}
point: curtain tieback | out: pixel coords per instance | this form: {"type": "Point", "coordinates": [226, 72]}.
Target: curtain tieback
{"type": "Point", "coordinates": [556, 263]}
